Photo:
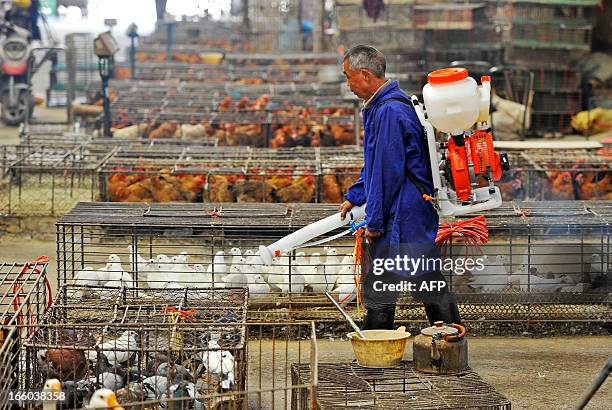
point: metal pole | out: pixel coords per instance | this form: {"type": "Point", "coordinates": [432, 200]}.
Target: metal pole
{"type": "Point", "coordinates": [599, 380]}
{"type": "Point", "coordinates": [104, 68]}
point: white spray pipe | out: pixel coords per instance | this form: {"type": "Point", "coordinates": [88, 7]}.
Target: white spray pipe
{"type": "Point", "coordinates": [309, 232]}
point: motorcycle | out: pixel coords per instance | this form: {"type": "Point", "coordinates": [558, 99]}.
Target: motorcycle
{"type": "Point", "coordinates": [16, 68]}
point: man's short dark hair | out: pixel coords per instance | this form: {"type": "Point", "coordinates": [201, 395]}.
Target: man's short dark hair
{"type": "Point", "coordinates": [362, 56]}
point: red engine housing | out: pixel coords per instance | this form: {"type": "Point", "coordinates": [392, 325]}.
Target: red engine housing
{"type": "Point", "coordinates": [477, 153]}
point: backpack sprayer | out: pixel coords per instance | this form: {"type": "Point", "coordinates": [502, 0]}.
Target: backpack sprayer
{"type": "Point", "coordinates": [460, 165]}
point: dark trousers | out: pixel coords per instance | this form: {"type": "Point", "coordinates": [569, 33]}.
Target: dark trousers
{"type": "Point", "coordinates": [439, 302]}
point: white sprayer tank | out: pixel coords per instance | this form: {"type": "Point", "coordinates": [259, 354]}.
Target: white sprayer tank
{"type": "Point", "coordinates": [454, 101]}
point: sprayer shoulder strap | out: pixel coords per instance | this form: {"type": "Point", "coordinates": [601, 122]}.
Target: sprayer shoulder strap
{"type": "Point", "coordinates": [409, 175]}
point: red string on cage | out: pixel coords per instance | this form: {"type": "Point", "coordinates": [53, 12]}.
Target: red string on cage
{"type": "Point", "coordinates": [473, 232]}
{"type": "Point", "coordinates": [18, 288]}
{"type": "Point", "coordinates": [185, 314]}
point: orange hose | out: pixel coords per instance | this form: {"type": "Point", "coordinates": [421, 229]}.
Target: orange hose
{"type": "Point", "coordinates": [473, 232]}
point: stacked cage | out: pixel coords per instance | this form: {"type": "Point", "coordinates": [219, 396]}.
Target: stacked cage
{"type": "Point", "coordinates": [24, 297]}
{"type": "Point", "coordinates": [258, 115]}
{"type": "Point", "coordinates": [277, 26]}
{"type": "Point", "coordinates": [229, 174]}
{"type": "Point", "coordinates": [542, 260]}
{"type": "Point", "coordinates": [550, 37]}
{"type": "Point", "coordinates": [72, 71]}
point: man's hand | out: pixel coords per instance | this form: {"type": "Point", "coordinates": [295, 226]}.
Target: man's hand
{"type": "Point", "coordinates": [372, 236]}
{"type": "Point", "coordinates": [344, 209]}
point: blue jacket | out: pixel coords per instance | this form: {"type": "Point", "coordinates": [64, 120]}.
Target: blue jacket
{"type": "Point", "coordinates": [393, 143]}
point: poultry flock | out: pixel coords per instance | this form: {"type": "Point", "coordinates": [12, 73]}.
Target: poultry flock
{"type": "Point", "coordinates": [560, 185]}
{"type": "Point", "coordinates": [287, 186]}
{"type": "Point", "coordinates": [297, 126]}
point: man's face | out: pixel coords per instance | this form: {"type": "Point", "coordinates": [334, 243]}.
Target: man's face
{"type": "Point", "coordinates": [358, 81]}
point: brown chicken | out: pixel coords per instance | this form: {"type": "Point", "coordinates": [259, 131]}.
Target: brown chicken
{"type": "Point", "coordinates": [243, 103]}
{"type": "Point", "coordinates": [141, 191]}
{"type": "Point", "coordinates": [302, 190]}
{"type": "Point", "coordinates": [191, 186]}
{"type": "Point", "coordinates": [331, 192]}
{"type": "Point", "coordinates": [510, 190]}
{"type": "Point", "coordinates": [343, 134]}
{"type": "Point", "coordinates": [279, 181]}
{"type": "Point", "coordinates": [166, 130]}
{"type": "Point", "coordinates": [252, 191]}
{"type": "Point", "coordinates": [561, 186]}
{"type": "Point", "coordinates": [348, 179]}
{"type": "Point", "coordinates": [166, 188]}
{"type": "Point", "coordinates": [587, 189]}
{"type": "Point", "coordinates": [260, 103]}
{"type": "Point", "coordinates": [219, 189]}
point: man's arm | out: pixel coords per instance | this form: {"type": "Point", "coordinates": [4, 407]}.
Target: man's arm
{"type": "Point", "coordinates": [388, 168]}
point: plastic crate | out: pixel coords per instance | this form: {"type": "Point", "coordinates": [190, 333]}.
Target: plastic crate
{"type": "Point", "coordinates": [552, 36]}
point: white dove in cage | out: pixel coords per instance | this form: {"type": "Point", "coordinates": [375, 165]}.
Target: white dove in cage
{"type": "Point", "coordinates": [345, 286]}
{"type": "Point", "coordinates": [218, 266]}
{"type": "Point", "coordinates": [332, 264]}
{"type": "Point", "coordinates": [492, 276]}
{"type": "Point", "coordinates": [154, 387]}
{"type": "Point", "coordinates": [109, 380]}
{"type": "Point", "coordinates": [137, 262]}
{"type": "Point", "coordinates": [86, 277]}
{"type": "Point", "coordinates": [258, 287]}
{"type": "Point", "coordinates": [115, 274]}
{"type": "Point", "coordinates": [236, 278]}
{"type": "Point", "coordinates": [220, 363]}
{"type": "Point", "coordinates": [236, 255]}
{"type": "Point", "coordinates": [116, 351]}
{"type": "Point", "coordinates": [278, 271]}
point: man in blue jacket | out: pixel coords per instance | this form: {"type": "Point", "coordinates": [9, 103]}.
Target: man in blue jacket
{"type": "Point", "coordinates": [394, 183]}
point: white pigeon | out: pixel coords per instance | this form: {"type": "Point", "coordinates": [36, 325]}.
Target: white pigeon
{"type": "Point", "coordinates": [220, 363]}
{"type": "Point", "coordinates": [254, 262]}
{"type": "Point", "coordinates": [236, 255]}
{"type": "Point", "coordinates": [258, 288]}
{"type": "Point", "coordinates": [117, 276]}
{"type": "Point", "coordinates": [183, 257]}
{"type": "Point", "coordinates": [119, 350]}
{"type": "Point", "coordinates": [179, 265]}
{"type": "Point", "coordinates": [349, 259]}
{"type": "Point", "coordinates": [279, 271]}
{"type": "Point", "coordinates": [534, 283]}
{"type": "Point", "coordinates": [85, 277]}
{"type": "Point", "coordinates": [235, 278]}
{"type": "Point", "coordinates": [345, 286]}
{"type": "Point", "coordinates": [297, 282]}
{"type": "Point", "coordinates": [332, 264]}
{"type": "Point", "coordinates": [492, 276]}
{"type": "Point", "coordinates": [218, 269]}
{"type": "Point", "coordinates": [519, 278]}
{"type": "Point", "coordinates": [104, 399]}
{"type": "Point", "coordinates": [318, 280]}
{"type": "Point", "coordinates": [140, 264]}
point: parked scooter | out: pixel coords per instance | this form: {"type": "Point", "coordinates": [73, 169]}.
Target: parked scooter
{"type": "Point", "coordinates": [16, 67]}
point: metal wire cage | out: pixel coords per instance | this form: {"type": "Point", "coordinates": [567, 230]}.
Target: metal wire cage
{"type": "Point", "coordinates": [49, 180]}
{"type": "Point", "coordinates": [179, 365]}
{"type": "Point", "coordinates": [24, 296]}
{"type": "Point", "coordinates": [537, 253]}
{"type": "Point", "coordinates": [348, 385]}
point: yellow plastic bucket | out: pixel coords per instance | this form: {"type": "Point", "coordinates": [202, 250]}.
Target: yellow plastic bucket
{"type": "Point", "coordinates": [211, 58]}
{"type": "Point", "coordinates": [380, 348]}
